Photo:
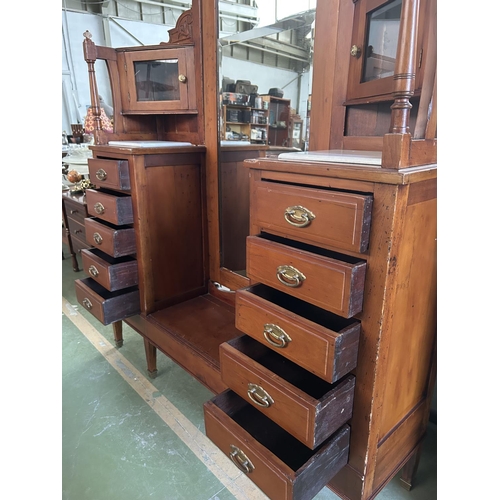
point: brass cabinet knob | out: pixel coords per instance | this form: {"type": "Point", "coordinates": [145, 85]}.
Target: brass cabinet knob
{"type": "Point", "coordinates": [259, 396]}
{"type": "Point", "coordinates": [99, 208]}
{"type": "Point", "coordinates": [276, 336]}
{"type": "Point", "coordinates": [289, 276]}
{"type": "Point", "coordinates": [93, 271]}
{"type": "Point", "coordinates": [86, 302]}
{"type": "Point", "coordinates": [355, 51]}
{"type": "Point", "coordinates": [97, 238]}
{"type": "Point", "coordinates": [101, 174]}
{"type": "Point", "coordinates": [183, 78]}
{"type": "Point", "coordinates": [241, 460]}
{"type": "Point", "coordinates": [299, 216]}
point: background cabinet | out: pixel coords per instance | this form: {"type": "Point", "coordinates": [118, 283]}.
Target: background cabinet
{"type": "Point", "coordinates": [244, 123]}
{"type": "Point", "coordinates": [279, 116]}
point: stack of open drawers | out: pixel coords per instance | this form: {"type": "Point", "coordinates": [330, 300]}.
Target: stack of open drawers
{"type": "Point", "coordinates": [110, 292]}
{"type": "Point", "coordinates": [283, 420]}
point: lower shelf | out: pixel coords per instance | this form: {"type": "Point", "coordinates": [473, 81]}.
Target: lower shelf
{"type": "Point", "coordinates": [190, 334]}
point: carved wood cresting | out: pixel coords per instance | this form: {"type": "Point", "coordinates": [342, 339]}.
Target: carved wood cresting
{"type": "Point", "coordinates": [183, 31]}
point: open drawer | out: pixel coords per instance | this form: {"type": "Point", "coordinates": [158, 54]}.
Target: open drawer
{"type": "Point", "coordinates": [282, 467]}
{"type": "Point", "coordinates": [305, 406]}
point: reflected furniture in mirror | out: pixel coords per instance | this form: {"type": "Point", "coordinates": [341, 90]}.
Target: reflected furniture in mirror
{"type": "Point", "coordinates": [322, 360]}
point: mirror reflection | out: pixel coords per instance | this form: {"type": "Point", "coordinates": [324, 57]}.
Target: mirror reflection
{"type": "Point", "coordinates": [265, 81]}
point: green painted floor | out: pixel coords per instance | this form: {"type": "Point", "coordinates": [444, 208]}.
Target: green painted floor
{"type": "Point", "coordinates": [127, 437]}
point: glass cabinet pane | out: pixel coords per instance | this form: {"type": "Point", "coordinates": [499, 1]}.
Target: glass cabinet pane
{"type": "Point", "coordinates": [382, 41]}
{"type": "Point", "coordinates": [157, 80]}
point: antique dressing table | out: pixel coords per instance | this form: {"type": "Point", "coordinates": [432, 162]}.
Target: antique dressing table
{"type": "Point", "coordinates": [319, 342]}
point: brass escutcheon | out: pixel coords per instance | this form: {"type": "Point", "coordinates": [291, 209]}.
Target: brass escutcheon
{"type": "Point", "coordinates": [99, 208]}
{"type": "Point", "coordinates": [86, 302]}
{"type": "Point", "coordinates": [97, 238]}
{"type": "Point", "coordinates": [298, 216]}
{"type": "Point", "coordinates": [101, 174]}
{"type": "Point", "coordinates": [241, 460]}
{"type": "Point", "coordinates": [93, 271]}
{"type": "Point", "coordinates": [289, 276]}
{"type": "Point", "coordinates": [182, 78]}
{"type": "Point", "coordinates": [276, 336]}
{"type": "Point", "coordinates": [259, 396]}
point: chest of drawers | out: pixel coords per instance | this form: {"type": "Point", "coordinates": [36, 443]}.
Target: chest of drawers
{"type": "Point", "coordinates": [74, 212]}
{"type": "Point", "coordinates": [342, 264]}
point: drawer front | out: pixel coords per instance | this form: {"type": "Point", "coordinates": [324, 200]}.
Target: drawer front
{"type": "Point", "coordinates": [79, 244]}
{"type": "Point", "coordinates": [317, 216]}
{"type": "Point", "coordinates": [75, 211]}
{"type": "Point", "coordinates": [113, 174]}
{"type": "Point", "coordinates": [114, 241]}
{"type": "Point", "coordinates": [277, 463]}
{"type": "Point", "coordinates": [106, 306]}
{"type": "Point", "coordinates": [76, 228]}
{"type": "Point", "coordinates": [306, 407]}
{"type": "Point", "coordinates": [113, 208]}
{"type": "Point", "coordinates": [277, 321]}
{"type": "Point", "coordinates": [330, 283]}
{"type": "Point", "coordinates": [113, 274]}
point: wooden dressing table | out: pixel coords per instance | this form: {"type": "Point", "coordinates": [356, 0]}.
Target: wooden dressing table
{"type": "Point", "coordinates": [320, 345]}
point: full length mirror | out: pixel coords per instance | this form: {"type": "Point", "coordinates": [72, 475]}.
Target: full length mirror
{"type": "Point", "coordinates": [265, 80]}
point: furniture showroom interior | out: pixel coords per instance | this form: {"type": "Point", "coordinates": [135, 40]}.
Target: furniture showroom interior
{"type": "Point", "coordinates": [249, 250]}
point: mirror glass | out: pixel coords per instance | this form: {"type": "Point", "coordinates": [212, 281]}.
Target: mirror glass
{"type": "Point", "coordinates": [265, 81]}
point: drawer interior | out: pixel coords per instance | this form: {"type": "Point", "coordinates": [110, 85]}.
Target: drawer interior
{"type": "Point", "coordinates": [111, 192]}
{"type": "Point", "coordinates": [288, 449]}
{"type": "Point", "coordinates": [299, 377]}
{"type": "Point", "coordinates": [311, 248]}
{"type": "Point", "coordinates": [112, 226]}
{"type": "Point", "coordinates": [102, 292]}
{"type": "Point", "coordinates": [110, 260]}
{"type": "Point", "coordinates": [301, 308]}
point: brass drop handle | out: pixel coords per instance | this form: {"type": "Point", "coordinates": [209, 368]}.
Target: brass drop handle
{"type": "Point", "coordinates": [76, 231]}
{"type": "Point", "coordinates": [355, 51]}
{"type": "Point", "coordinates": [259, 396]}
{"type": "Point", "coordinates": [73, 212]}
{"type": "Point", "coordinates": [241, 460]}
{"type": "Point", "coordinates": [86, 302]}
{"type": "Point", "coordinates": [276, 336]}
{"type": "Point", "coordinates": [97, 238]}
{"type": "Point", "coordinates": [93, 271]}
{"type": "Point", "coordinates": [183, 78]}
{"type": "Point", "coordinates": [299, 216]}
{"type": "Point", "coordinates": [289, 276]}
{"type": "Point", "coordinates": [101, 174]}
{"type": "Point", "coordinates": [99, 208]}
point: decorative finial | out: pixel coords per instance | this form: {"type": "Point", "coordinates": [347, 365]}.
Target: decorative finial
{"type": "Point", "coordinates": [87, 34]}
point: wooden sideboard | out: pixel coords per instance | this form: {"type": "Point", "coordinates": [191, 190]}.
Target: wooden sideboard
{"type": "Point", "coordinates": [342, 261]}
{"type": "Point", "coordinates": [74, 211]}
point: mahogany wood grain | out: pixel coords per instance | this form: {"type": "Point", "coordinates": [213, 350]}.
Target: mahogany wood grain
{"type": "Point", "coordinates": [110, 206]}
{"type": "Point", "coordinates": [116, 241]}
{"type": "Point", "coordinates": [111, 174]}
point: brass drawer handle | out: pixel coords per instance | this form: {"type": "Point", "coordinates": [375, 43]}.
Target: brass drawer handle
{"type": "Point", "coordinates": [289, 276]}
{"type": "Point", "coordinates": [86, 302]}
{"type": "Point", "coordinates": [101, 174]}
{"type": "Point", "coordinates": [241, 460]}
{"type": "Point", "coordinates": [93, 271]}
{"type": "Point", "coordinates": [73, 212]}
{"type": "Point", "coordinates": [299, 216]}
{"type": "Point", "coordinates": [99, 208]}
{"type": "Point", "coordinates": [276, 336]}
{"type": "Point", "coordinates": [76, 231]}
{"type": "Point", "coordinates": [97, 238]}
{"type": "Point", "coordinates": [259, 396]}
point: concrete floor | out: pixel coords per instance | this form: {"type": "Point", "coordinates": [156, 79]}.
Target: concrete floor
{"type": "Point", "coordinates": [127, 437]}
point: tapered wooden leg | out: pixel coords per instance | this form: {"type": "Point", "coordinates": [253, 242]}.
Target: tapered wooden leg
{"type": "Point", "coordinates": [118, 333]}
{"type": "Point", "coordinates": [150, 358]}
{"type": "Point", "coordinates": [409, 470]}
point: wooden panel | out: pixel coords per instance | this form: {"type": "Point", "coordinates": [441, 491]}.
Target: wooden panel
{"type": "Point", "coordinates": [308, 408]}
{"type": "Point", "coordinates": [339, 220]}
{"type": "Point", "coordinates": [320, 342]}
{"type": "Point", "coordinates": [332, 281]}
